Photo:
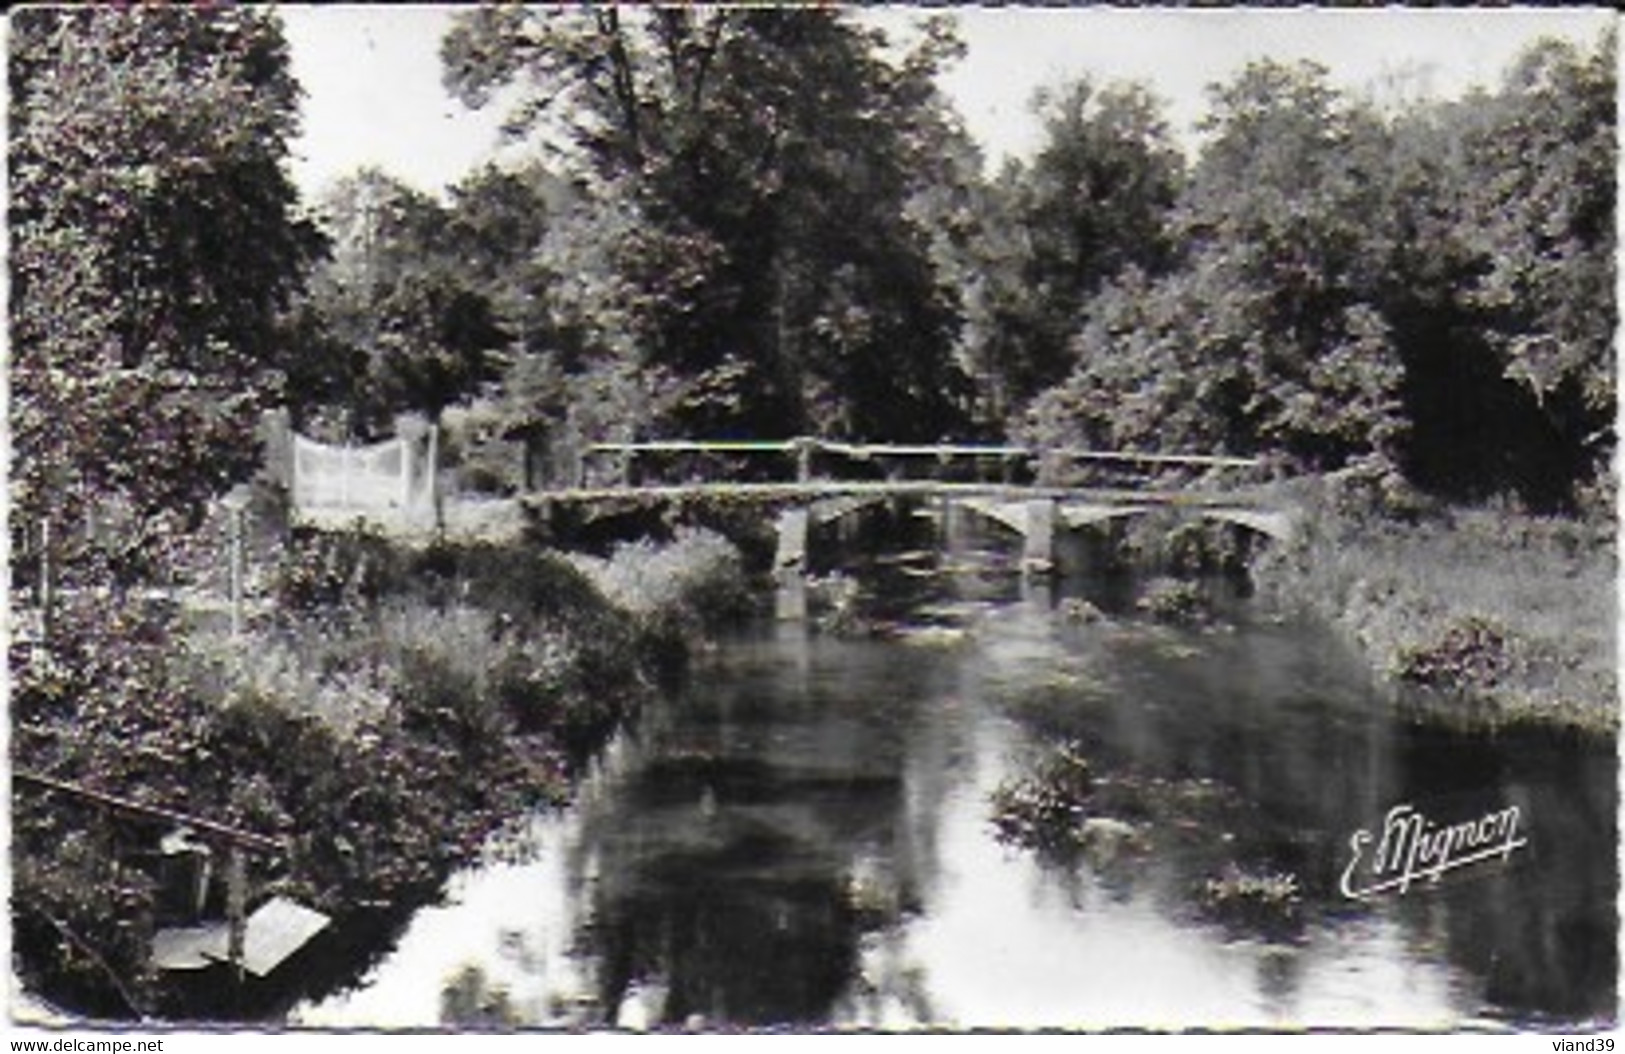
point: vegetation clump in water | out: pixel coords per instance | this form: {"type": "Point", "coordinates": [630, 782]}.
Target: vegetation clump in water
{"type": "Point", "coordinates": [1065, 812]}
{"type": "Point", "coordinates": [1472, 652]}
{"type": "Point", "coordinates": [1045, 810]}
{"type": "Point", "coordinates": [837, 598]}
{"type": "Point", "coordinates": [1174, 601]}
{"type": "Point", "coordinates": [1252, 897]}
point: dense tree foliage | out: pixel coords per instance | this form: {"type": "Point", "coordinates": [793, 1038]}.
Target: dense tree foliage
{"type": "Point", "coordinates": [1263, 339]}
{"type": "Point", "coordinates": [1095, 200]}
{"type": "Point", "coordinates": [410, 326]}
{"type": "Point", "coordinates": [762, 247]}
{"type": "Point", "coordinates": [1428, 290]}
{"type": "Point", "coordinates": [752, 168]}
{"type": "Point", "coordinates": [769, 221]}
{"type": "Point", "coordinates": [1539, 220]}
{"type": "Point", "coordinates": [1496, 234]}
{"type": "Point", "coordinates": [154, 247]}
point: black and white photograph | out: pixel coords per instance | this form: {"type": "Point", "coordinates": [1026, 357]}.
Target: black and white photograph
{"type": "Point", "coordinates": [811, 519]}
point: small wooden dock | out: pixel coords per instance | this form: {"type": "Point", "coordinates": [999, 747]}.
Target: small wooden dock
{"type": "Point", "coordinates": [254, 943]}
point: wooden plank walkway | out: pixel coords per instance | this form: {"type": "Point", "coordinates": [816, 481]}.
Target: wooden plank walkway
{"type": "Point", "coordinates": [814, 489]}
{"type": "Point", "coordinates": [867, 451]}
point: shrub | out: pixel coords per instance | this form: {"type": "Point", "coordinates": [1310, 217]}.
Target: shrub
{"type": "Point", "coordinates": [1471, 652]}
{"type": "Point", "coordinates": [1173, 601]}
{"type": "Point", "coordinates": [518, 584]}
{"type": "Point", "coordinates": [321, 671]}
{"type": "Point", "coordinates": [534, 683]}
{"type": "Point", "coordinates": [319, 572]}
{"type": "Point", "coordinates": [79, 923]}
{"type": "Point", "coordinates": [696, 578]}
{"type": "Point", "coordinates": [1045, 810]}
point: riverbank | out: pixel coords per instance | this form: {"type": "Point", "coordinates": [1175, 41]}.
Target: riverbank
{"type": "Point", "coordinates": [383, 715]}
{"type": "Point", "coordinates": [813, 835]}
{"type": "Point", "coordinates": [1483, 616]}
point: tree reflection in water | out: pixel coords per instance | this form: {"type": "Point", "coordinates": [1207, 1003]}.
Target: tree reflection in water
{"type": "Point", "coordinates": [735, 880]}
{"type": "Point", "coordinates": [805, 840]}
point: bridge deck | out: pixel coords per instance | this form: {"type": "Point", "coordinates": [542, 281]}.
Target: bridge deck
{"type": "Point", "coordinates": [770, 491]}
{"type": "Point", "coordinates": [940, 451]}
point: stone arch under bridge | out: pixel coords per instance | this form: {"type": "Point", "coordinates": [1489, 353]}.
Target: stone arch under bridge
{"type": "Point", "coordinates": [1276, 524]}
{"type": "Point", "coordinates": [1035, 520]}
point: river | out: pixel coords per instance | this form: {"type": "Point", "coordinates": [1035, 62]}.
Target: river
{"type": "Point", "coordinates": [805, 837]}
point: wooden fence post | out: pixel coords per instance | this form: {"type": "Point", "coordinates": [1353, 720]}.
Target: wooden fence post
{"type": "Point", "coordinates": [804, 452]}
{"type": "Point", "coordinates": [276, 437]}
{"type": "Point", "coordinates": [236, 504]}
{"type": "Point", "coordinates": [236, 571]}
{"type": "Point", "coordinates": [236, 909]}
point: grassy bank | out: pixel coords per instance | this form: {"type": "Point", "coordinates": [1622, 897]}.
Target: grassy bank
{"type": "Point", "coordinates": [1482, 615]}
{"type": "Point", "coordinates": [383, 715]}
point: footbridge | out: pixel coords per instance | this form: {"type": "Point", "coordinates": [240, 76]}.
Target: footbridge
{"type": "Point", "coordinates": [1033, 492]}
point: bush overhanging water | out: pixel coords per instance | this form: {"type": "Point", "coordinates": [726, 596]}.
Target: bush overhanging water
{"type": "Point", "coordinates": [390, 711]}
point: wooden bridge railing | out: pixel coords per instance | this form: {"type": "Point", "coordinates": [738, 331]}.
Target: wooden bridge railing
{"type": "Point", "coordinates": [805, 447]}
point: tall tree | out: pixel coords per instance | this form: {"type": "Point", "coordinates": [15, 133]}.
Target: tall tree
{"type": "Point", "coordinates": [1541, 205]}
{"type": "Point", "coordinates": [402, 293]}
{"type": "Point", "coordinates": [1266, 338]}
{"type": "Point", "coordinates": [761, 159]}
{"type": "Point", "coordinates": [1497, 282]}
{"type": "Point", "coordinates": [154, 247]}
{"type": "Point", "coordinates": [1095, 200]}
{"type": "Point", "coordinates": [1546, 216]}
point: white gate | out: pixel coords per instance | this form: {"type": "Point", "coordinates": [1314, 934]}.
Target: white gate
{"type": "Point", "coordinates": [389, 485]}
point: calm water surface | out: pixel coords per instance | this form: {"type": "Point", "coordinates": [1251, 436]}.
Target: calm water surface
{"type": "Point", "coordinates": [806, 838]}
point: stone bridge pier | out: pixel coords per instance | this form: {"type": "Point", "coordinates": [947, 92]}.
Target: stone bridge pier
{"type": "Point", "coordinates": [795, 524]}
{"type": "Point", "coordinates": [1037, 520]}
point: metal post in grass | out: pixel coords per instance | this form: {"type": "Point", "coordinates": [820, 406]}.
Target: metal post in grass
{"type": "Point", "coordinates": [45, 587]}
{"type": "Point", "coordinates": [236, 504]}
{"type": "Point", "coordinates": [406, 474]}
{"type": "Point", "coordinates": [432, 467]}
